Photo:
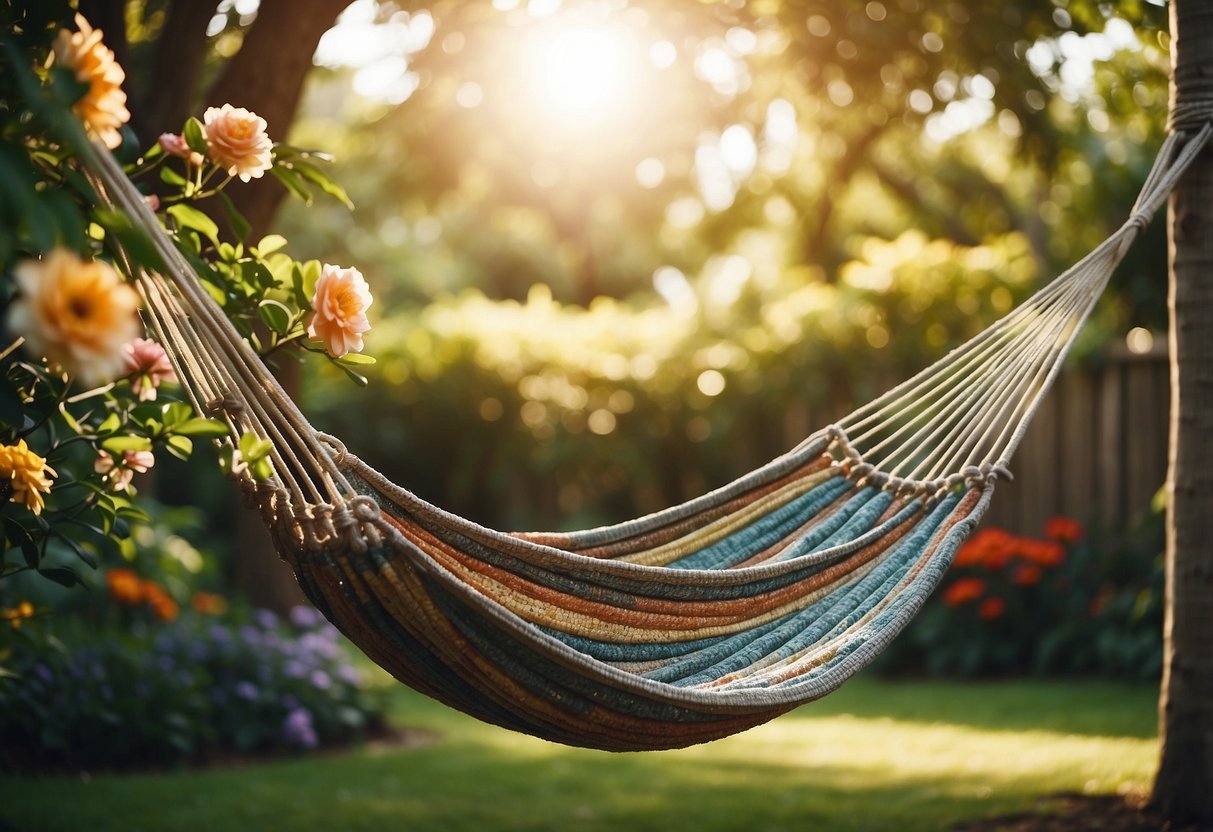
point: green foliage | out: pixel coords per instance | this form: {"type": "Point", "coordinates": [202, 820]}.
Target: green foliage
{"type": "Point", "coordinates": [529, 414]}
{"type": "Point", "coordinates": [186, 691]}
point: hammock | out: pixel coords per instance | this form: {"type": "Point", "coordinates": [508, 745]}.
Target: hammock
{"type": "Point", "coordinates": [679, 627]}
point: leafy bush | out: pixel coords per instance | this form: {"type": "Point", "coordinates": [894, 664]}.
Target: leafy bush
{"type": "Point", "coordinates": [521, 413]}
{"type": "Point", "coordinates": [1062, 605]}
{"type": "Point", "coordinates": [186, 690]}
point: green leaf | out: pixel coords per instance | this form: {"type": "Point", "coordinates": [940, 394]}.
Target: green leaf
{"type": "Point", "coordinates": [175, 413]}
{"type": "Point", "coordinates": [60, 575]}
{"type": "Point", "coordinates": [134, 241]}
{"type": "Point", "coordinates": [293, 183]}
{"type": "Point", "coordinates": [201, 427]}
{"type": "Point", "coordinates": [356, 358]}
{"type": "Point", "coordinates": [262, 470]}
{"type": "Point", "coordinates": [112, 423]}
{"type": "Point", "coordinates": [270, 243]}
{"type": "Point", "coordinates": [297, 290]}
{"type": "Point", "coordinates": [252, 448]}
{"type": "Point", "coordinates": [240, 226]}
{"type": "Point", "coordinates": [275, 315]}
{"type": "Point", "coordinates": [180, 446]}
{"type": "Point", "coordinates": [357, 378]}
{"type": "Point", "coordinates": [80, 552]}
{"type": "Point", "coordinates": [321, 180]}
{"type": "Point", "coordinates": [121, 444]}
{"type": "Point", "coordinates": [187, 216]}
{"type": "Point", "coordinates": [195, 135]}
{"type": "Point", "coordinates": [171, 177]}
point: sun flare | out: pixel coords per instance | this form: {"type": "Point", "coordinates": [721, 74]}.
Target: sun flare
{"type": "Point", "coordinates": [582, 73]}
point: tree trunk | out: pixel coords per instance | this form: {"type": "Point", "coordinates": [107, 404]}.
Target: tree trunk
{"type": "Point", "coordinates": [1184, 787]}
{"type": "Point", "coordinates": [266, 76]}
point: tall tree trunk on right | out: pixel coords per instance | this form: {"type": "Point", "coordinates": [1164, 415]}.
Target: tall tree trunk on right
{"type": "Point", "coordinates": [1184, 787]}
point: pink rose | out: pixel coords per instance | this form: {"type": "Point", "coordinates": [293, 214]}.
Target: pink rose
{"type": "Point", "coordinates": [148, 362]}
{"type": "Point", "coordinates": [174, 145]}
{"type": "Point", "coordinates": [340, 303]}
{"type": "Point", "coordinates": [237, 141]}
{"type": "Point", "coordinates": [119, 472]}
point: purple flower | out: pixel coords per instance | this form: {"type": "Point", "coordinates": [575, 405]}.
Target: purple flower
{"type": "Point", "coordinates": [43, 672]}
{"type": "Point", "coordinates": [348, 674]}
{"type": "Point", "coordinates": [304, 617]}
{"type": "Point", "coordinates": [295, 669]}
{"type": "Point", "coordinates": [298, 730]}
{"type": "Point", "coordinates": [265, 619]}
{"type": "Point", "coordinates": [220, 633]}
{"type": "Point", "coordinates": [247, 690]}
{"type": "Point", "coordinates": [321, 646]}
{"type": "Point", "coordinates": [321, 680]}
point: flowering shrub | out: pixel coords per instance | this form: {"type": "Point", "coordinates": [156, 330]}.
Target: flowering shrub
{"type": "Point", "coordinates": [1059, 604]}
{"type": "Point", "coordinates": [88, 400]}
{"type": "Point", "coordinates": [181, 691]}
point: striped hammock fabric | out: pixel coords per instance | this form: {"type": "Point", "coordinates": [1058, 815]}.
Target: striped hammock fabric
{"type": "Point", "coordinates": [676, 628]}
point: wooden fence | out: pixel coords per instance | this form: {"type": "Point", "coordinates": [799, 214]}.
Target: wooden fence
{"type": "Point", "coordinates": [1097, 449]}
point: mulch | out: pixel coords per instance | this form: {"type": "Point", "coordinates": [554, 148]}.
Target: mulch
{"type": "Point", "coordinates": [1082, 813]}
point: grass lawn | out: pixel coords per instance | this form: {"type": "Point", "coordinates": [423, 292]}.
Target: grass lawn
{"type": "Point", "coordinates": [874, 756]}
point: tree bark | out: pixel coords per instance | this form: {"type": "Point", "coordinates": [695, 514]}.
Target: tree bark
{"type": "Point", "coordinates": [266, 76]}
{"type": "Point", "coordinates": [1183, 789]}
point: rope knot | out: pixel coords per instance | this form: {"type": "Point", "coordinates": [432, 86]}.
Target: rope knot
{"type": "Point", "coordinates": [336, 447]}
{"type": "Point", "coordinates": [1138, 221]}
{"type": "Point", "coordinates": [227, 404]}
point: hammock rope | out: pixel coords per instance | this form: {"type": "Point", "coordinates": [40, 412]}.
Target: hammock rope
{"type": "Point", "coordinates": [678, 627]}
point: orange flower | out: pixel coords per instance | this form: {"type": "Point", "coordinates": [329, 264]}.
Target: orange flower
{"type": "Point", "coordinates": [963, 591]}
{"type": "Point", "coordinates": [992, 608]}
{"type": "Point", "coordinates": [102, 108]}
{"type": "Point", "coordinates": [1063, 530]}
{"type": "Point", "coordinates": [163, 606]}
{"type": "Point", "coordinates": [1027, 574]}
{"type": "Point", "coordinates": [237, 141]}
{"type": "Point", "coordinates": [77, 314]}
{"type": "Point", "coordinates": [341, 300]}
{"type": "Point", "coordinates": [125, 587]}
{"type": "Point", "coordinates": [208, 603]}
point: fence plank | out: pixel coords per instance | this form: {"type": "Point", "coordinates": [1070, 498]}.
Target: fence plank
{"type": "Point", "coordinates": [1097, 450]}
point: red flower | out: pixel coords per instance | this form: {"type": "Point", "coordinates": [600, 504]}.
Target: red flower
{"type": "Point", "coordinates": [1027, 574]}
{"type": "Point", "coordinates": [992, 608]}
{"type": "Point", "coordinates": [963, 591]}
{"type": "Point", "coordinates": [1063, 530]}
{"type": "Point", "coordinates": [991, 547]}
{"type": "Point", "coordinates": [1046, 553]}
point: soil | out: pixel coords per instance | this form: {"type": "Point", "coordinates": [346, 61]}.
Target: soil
{"type": "Point", "coordinates": [1082, 813]}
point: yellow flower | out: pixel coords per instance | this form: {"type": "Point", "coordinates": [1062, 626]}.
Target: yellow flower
{"type": "Point", "coordinates": [237, 141]}
{"type": "Point", "coordinates": [76, 314]}
{"type": "Point", "coordinates": [103, 106]}
{"type": "Point", "coordinates": [25, 475]}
